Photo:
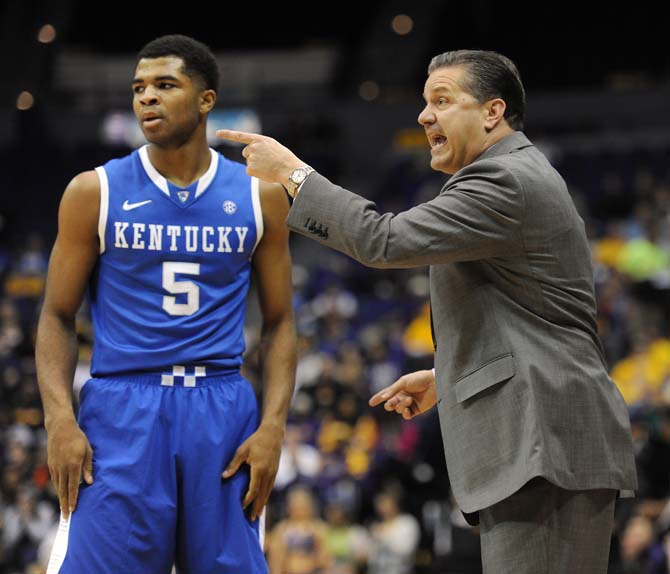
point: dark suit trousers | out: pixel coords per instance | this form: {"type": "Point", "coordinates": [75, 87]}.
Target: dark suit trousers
{"type": "Point", "coordinates": [544, 529]}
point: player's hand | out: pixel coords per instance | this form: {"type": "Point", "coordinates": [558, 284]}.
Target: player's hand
{"type": "Point", "coordinates": [267, 159]}
{"type": "Point", "coordinates": [409, 396]}
{"type": "Point", "coordinates": [261, 452]}
{"type": "Point", "coordinates": [69, 456]}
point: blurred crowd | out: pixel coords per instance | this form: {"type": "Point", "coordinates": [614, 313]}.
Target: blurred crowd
{"type": "Point", "coordinates": [359, 490]}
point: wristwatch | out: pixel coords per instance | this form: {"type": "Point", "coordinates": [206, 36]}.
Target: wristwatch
{"type": "Point", "coordinates": [297, 178]}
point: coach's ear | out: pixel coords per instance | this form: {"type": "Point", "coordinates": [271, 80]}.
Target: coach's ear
{"type": "Point", "coordinates": [207, 101]}
{"type": "Point", "coordinates": [494, 113]}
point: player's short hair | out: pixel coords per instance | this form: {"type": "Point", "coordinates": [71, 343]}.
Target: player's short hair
{"type": "Point", "coordinates": [199, 61]}
{"type": "Point", "coordinates": [489, 75]}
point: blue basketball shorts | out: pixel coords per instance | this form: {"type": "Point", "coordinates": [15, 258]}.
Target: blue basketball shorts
{"type": "Point", "coordinates": [160, 443]}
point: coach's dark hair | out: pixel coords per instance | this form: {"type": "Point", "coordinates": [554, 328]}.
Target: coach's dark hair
{"type": "Point", "coordinates": [199, 61]}
{"type": "Point", "coordinates": [489, 75]}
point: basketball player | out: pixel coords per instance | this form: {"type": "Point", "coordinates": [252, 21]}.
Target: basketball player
{"type": "Point", "coordinates": [169, 441]}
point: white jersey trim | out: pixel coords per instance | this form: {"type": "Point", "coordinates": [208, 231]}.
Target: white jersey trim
{"type": "Point", "coordinates": [104, 206]}
{"type": "Point", "coordinates": [258, 211]}
{"type": "Point", "coordinates": [59, 549]}
{"type": "Point", "coordinates": [161, 182]}
{"type": "Point", "coordinates": [206, 179]}
{"type": "Point", "coordinates": [152, 172]}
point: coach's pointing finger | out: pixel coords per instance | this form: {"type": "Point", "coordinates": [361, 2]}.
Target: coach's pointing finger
{"type": "Point", "coordinates": [267, 159]}
{"type": "Point", "coordinates": [235, 136]}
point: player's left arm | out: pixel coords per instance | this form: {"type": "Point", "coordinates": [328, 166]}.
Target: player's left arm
{"type": "Point", "coordinates": [272, 267]}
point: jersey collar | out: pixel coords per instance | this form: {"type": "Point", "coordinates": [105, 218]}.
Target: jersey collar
{"type": "Point", "coordinates": [161, 182]}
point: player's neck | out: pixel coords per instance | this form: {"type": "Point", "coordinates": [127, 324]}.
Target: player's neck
{"type": "Point", "coordinates": [182, 165]}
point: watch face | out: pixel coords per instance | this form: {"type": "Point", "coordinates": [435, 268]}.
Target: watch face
{"type": "Point", "coordinates": [298, 175]}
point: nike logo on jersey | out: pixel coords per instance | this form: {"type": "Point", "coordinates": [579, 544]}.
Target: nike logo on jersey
{"type": "Point", "coordinates": [128, 206]}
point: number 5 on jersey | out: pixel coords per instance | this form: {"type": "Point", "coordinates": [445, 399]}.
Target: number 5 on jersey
{"type": "Point", "coordinates": [170, 269]}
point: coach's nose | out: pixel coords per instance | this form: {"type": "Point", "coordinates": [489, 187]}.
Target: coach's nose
{"type": "Point", "coordinates": [426, 117]}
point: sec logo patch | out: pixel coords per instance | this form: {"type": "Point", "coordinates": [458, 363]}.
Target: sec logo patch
{"type": "Point", "coordinates": [229, 207]}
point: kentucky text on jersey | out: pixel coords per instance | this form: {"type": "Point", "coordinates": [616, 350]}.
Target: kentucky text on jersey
{"type": "Point", "coordinates": [191, 238]}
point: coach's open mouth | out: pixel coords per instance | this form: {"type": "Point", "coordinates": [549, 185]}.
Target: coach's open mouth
{"type": "Point", "coordinates": [437, 140]}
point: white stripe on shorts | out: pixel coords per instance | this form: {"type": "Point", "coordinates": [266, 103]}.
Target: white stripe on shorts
{"type": "Point", "coordinates": [59, 549]}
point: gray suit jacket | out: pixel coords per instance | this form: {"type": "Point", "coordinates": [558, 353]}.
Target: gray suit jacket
{"type": "Point", "coordinates": [521, 377]}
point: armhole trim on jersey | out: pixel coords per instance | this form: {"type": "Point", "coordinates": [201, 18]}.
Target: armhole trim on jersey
{"type": "Point", "coordinates": [104, 205]}
{"type": "Point", "coordinates": [258, 211]}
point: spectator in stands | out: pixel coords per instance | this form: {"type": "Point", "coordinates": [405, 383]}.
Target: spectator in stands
{"type": "Point", "coordinates": [394, 537]}
{"type": "Point", "coordinates": [26, 523]}
{"type": "Point", "coordinates": [347, 543]}
{"type": "Point", "coordinates": [297, 544]}
{"type": "Point", "coordinates": [641, 550]}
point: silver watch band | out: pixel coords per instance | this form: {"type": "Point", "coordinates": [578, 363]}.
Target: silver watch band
{"type": "Point", "coordinates": [293, 189]}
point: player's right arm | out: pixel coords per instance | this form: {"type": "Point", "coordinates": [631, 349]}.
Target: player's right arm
{"type": "Point", "coordinates": [73, 258]}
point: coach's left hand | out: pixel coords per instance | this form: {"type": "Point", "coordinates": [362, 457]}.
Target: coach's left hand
{"type": "Point", "coordinates": [261, 452]}
{"type": "Point", "coordinates": [267, 159]}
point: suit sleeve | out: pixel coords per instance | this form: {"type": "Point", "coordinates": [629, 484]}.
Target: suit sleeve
{"type": "Point", "coordinates": [477, 216]}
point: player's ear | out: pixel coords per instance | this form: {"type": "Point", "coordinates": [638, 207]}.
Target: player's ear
{"type": "Point", "coordinates": [207, 101]}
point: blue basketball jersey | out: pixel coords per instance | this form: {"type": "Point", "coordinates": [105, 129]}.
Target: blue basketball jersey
{"type": "Point", "coordinates": [172, 278]}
